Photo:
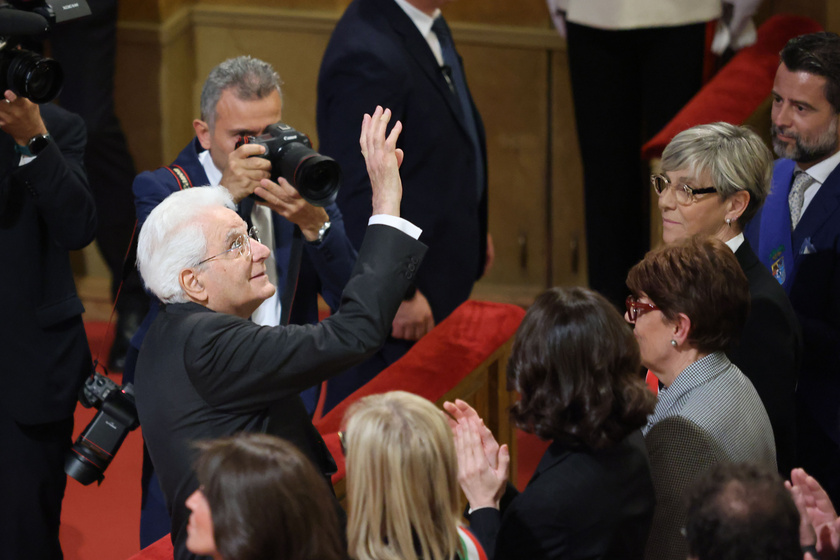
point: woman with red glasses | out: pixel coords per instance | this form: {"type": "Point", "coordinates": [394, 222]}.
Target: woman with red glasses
{"type": "Point", "coordinates": [714, 179]}
{"type": "Point", "coordinates": [689, 301]}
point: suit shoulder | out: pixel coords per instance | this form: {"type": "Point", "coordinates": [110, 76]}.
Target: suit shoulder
{"type": "Point", "coordinates": [362, 36]}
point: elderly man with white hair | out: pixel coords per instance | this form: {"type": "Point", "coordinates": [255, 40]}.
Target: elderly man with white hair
{"type": "Point", "coordinates": [206, 371]}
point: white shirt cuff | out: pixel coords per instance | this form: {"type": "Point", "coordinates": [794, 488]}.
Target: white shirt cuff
{"type": "Point", "coordinates": [395, 222]}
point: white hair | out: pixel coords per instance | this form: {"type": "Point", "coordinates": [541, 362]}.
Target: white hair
{"type": "Point", "coordinates": [172, 239]}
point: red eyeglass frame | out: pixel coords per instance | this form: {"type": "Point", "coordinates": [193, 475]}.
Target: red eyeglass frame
{"type": "Point", "coordinates": [636, 308]}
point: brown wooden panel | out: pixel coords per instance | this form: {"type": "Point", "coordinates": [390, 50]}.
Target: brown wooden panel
{"type": "Point", "coordinates": [567, 222]}
{"type": "Point", "coordinates": [479, 11]}
{"type": "Point", "coordinates": [296, 56]}
{"type": "Point", "coordinates": [508, 85]}
{"type": "Point", "coordinates": [815, 9]}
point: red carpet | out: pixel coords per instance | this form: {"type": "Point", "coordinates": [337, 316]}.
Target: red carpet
{"type": "Point", "coordinates": [102, 522]}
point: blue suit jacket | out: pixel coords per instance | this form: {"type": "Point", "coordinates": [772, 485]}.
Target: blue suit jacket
{"type": "Point", "coordinates": [815, 293]}
{"type": "Point", "coordinates": [324, 268]}
{"type": "Point", "coordinates": [376, 56]}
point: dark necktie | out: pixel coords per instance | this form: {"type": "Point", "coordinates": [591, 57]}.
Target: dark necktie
{"type": "Point", "coordinates": [454, 73]}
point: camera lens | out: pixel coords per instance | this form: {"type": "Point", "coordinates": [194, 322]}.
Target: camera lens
{"type": "Point", "coordinates": [30, 75]}
{"type": "Point", "coordinates": [316, 177]}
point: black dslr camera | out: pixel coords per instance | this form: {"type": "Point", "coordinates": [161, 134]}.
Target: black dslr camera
{"type": "Point", "coordinates": [26, 73]}
{"type": "Point", "coordinates": [290, 152]}
{"type": "Point", "coordinates": [98, 443]}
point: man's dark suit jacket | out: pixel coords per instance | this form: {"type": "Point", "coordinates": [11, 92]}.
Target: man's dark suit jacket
{"type": "Point", "coordinates": [376, 56]}
{"type": "Point", "coordinates": [815, 296]}
{"type": "Point", "coordinates": [46, 210]}
{"type": "Point", "coordinates": [204, 375]}
{"type": "Point", "coordinates": [769, 353]}
{"type": "Point", "coordinates": [578, 504]}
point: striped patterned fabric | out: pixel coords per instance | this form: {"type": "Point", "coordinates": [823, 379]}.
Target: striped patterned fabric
{"type": "Point", "coordinates": [471, 549]}
{"type": "Point", "coordinates": [710, 413]}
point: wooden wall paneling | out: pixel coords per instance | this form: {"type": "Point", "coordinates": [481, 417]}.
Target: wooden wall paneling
{"type": "Point", "coordinates": [833, 17]}
{"type": "Point", "coordinates": [506, 84]}
{"type": "Point", "coordinates": [293, 42]}
{"type": "Point", "coordinates": [566, 180]}
{"type": "Point", "coordinates": [507, 72]}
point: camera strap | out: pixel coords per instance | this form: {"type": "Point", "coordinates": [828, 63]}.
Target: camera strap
{"type": "Point", "coordinates": [180, 176]}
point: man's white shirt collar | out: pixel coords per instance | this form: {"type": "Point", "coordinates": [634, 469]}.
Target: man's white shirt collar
{"type": "Point", "coordinates": [820, 171]}
{"type": "Point", "coordinates": [423, 22]}
{"type": "Point", "coordinates": [214, 176]}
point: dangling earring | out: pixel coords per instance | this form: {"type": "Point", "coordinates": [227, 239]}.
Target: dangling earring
{"type": "Point", "coordinates": [673, 343]}
{"type": "Point", "coordinates": [729, 222]}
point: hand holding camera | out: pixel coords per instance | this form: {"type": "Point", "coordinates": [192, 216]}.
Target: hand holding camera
{"type": "Point", "coordinates": [20, 118]}
{"type": "Point", "coordinates": [244, 170]}
{"type": "Point", "coordinates": [282, 198]}
{"type": "Point", "coordinates": [315, 177]}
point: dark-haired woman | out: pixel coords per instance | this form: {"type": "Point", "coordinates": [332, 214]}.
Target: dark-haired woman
{"type": "Point", "coordinates": [576, 366]}
{"type": "Point", "coordinates": [261, 499]}
{"type": "Point", "coordinates": [689, 301]}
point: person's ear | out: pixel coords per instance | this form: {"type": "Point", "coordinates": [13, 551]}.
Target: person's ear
{"type": "Point", "coordinates": [193, 286]}
{"type": "Point", "coordinates": [682, 328]}
{"type": "Point", "coordinates": [203, 133]}
{"type": "Point", "coordinates": [736, 205]}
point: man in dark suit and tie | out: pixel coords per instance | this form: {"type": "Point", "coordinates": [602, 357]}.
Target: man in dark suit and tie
{"type": "Point", "coordinates": [400, 54]}
{"type": "Point", "coordinates": [797, 235]}
{"type": "Point", "coordinates": [206, 371]}
{"type": "Point", "coordinates": [46, 210]}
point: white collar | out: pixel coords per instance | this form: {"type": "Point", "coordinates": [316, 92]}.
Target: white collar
{"type": "Point", "coordinates": [422, 20]}
{"type": "Point", "coordinates": [820, 171]}
{"type": "Point", "coordinates": [735, 242]}
{"type": "Point", "coordinates": [214, 176]}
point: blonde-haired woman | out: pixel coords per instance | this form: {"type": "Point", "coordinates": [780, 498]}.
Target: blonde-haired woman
{"type": "Point", "coordinates": [402, 484]}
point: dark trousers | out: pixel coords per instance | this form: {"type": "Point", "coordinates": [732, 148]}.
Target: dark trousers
{"type": "Point", "coordinates": [32, 483]}
{"type": "Point", "coordinates": [626, 86]}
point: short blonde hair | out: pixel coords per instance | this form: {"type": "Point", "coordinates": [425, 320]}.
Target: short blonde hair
{"type": "Point", "coordinates": [402, 484]}
{"type": "Point", "coordinates": [735, 158]}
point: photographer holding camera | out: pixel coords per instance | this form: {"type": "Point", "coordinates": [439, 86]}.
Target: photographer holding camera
{"type": "Point", "coordinates": [46, 210]}
{"type": "Point", "coordinates": [310, 252]}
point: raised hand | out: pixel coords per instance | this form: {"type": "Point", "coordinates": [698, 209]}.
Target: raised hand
{"type": "Point", "coordinates": [383, 159]}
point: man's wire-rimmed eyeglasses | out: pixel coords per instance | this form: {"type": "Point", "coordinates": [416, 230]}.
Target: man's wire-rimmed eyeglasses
{"type": "Point", "coordinates": [242, 243]}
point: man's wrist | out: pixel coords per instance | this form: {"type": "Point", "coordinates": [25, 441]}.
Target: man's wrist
{"type": "Point", "coordinates": [318, 237]}
{"type": "Point", "coordinates": [34, 146]}
{"type": "Point", "coordinates": [316, 226]}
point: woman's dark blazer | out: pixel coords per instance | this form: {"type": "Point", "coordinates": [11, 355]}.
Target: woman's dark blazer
{"type": "Point", "coordinates": [578, 504]}
{"type": "Point", "coordinates": [769, 353]}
